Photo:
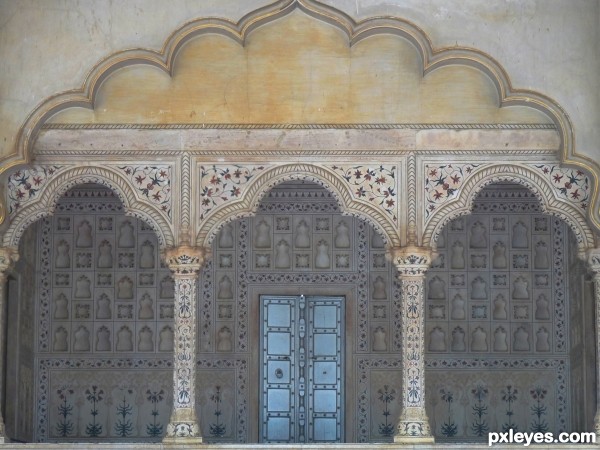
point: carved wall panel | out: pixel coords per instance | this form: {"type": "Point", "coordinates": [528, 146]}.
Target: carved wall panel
{"type": "Point", "coordinates": [482, 396]}
{"type": "Point", "coordinates": [87, 399]}
{"type": "Point", "coordinates": [103, 289]}
{"type": "Point", "coordinates": [20, 319]}
{"type": "Point", "coordinates": [378, 388]}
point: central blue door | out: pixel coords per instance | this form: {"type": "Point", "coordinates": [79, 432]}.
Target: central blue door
{"type": "Point", "coordinates": [301, 369]}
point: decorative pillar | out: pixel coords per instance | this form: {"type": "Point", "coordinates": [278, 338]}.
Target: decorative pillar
{"type": "Point", "coordinates": [412, 263]}
{"type": "Point", "coordinates": [185, 263]}
{"type": "Point", "coordinates": [594, 262]}
{"type": "Point", "coordinates": [8, 256]}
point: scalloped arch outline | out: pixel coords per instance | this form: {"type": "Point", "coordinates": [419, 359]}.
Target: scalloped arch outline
{"type": "Point", "coordinates": [256, 190]}
{"type": "Point", "coordinates": [431, 58]}
{"type": "Point", "coordinates": [51, 193]}
{"type": "Point", "coordinates": [518, 174]}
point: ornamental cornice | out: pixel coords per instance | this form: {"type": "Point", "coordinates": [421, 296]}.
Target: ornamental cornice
{"type": "Point", "coordinates": [320, 139]}
{"type": "Point", "coordinates": [185, 260]}
{"type": "Point", "coordinates": [298, 126]}
{"type": "Point", "coordinates": [50, 155]}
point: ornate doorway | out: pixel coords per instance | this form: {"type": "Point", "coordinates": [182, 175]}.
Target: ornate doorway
{"type": "Point", "coordinates": [301, 369]}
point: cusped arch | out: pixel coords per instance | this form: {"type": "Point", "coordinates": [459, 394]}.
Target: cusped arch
{"type": "Point", "coordinates": [248, 204]}
{"type": "Point", "coordinates": [51, 193]}
{"type": "Point", "coordinates": [356, 31]}
{"type": "Point", "coordinates": [517, 174]}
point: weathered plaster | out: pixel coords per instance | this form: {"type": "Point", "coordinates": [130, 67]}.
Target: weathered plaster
{"type": "Point", "coordinates": [298, 70]}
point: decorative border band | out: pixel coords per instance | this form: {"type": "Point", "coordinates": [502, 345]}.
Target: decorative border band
{"type": "Point", "coordinates": [298, 126]}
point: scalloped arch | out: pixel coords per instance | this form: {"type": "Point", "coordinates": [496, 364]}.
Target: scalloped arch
{"type": "Point", "coordinates": [356, 31]}
{"type": "Point", "coordinates": [331, 181]}
{"type": "Point", "coordinates": [51, 193]}
{"type": "Point", "coordinates": [516, 174]}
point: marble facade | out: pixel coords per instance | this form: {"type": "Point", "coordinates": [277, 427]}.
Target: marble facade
{"type": "Point", "coordinates": [135, 250]}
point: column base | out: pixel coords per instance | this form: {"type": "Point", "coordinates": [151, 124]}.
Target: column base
{"type": "Point", "coordinates": [3, 438]}
{"type": "Point", "coordinates": [183, 428]}
{"type": "Point", "coordinates": [413, 428]}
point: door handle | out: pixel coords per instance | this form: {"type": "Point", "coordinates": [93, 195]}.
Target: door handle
{"type": "Point", "coordinates": [278, 373]}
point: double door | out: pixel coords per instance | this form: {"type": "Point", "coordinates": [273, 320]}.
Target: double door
{"type": "Point", "coordinates": [301, 369]}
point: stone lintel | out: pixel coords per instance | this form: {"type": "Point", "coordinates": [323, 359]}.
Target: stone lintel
{"type": "Point", "coordinates": [512, 139]}
{"type": "Point", "coordinates": [327, 140]}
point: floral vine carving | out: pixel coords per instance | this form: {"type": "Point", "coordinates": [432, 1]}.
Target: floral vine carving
{"type": "Point", "coordinates": [376, 185]}
{"type": "Point", "coordinates": [442, 183]}
{"type": "Point", "coordinates": [23, 185]}
{"type": "Point", "coordinates": [220, 184]}
{"type": "Point", "coordinates": [153, 183]}
{"type": "Point", "coordinates": [65, 426]}
{"type": "Point", "coordinates": [570, 184]}
{"type": "Point", "coordinates": [386, 396]}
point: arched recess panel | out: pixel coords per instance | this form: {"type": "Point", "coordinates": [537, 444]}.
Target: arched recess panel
{"type": "Point", "coordinates": [297, 242]}
{"type": "Point", "coordinates": [101, 325]}
{"type": "Point", "coordinates": [144, 191]}
{"type": "Point", "coordinates": [450, 191]}
{"type": "Point", "coordinates": [498, 326]}
{"type": "Point", "coordinates": [366, 191]}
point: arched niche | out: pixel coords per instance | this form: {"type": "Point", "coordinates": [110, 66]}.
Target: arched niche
{"type": "Point", "coordinates": [500, 312]}
{"type": "Point", "coordinates": [51, 192]}
{"type": "Point", "coordinates": [269, 178]}
{"type": "Point", "coordinates": [521, 175]}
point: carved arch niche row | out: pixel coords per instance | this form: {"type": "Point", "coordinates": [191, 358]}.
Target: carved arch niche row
{"type": "Point", "coordinates": [497, 319]}
{"type": "Point", "coordinates": [101, 299]}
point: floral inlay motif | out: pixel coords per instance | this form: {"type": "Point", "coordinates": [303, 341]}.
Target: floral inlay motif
{"type": "Point", "coordinates": [24, 185]}
{"type": "Point", "coordinates": [219, 184]}
{"type": "Point", "coordinates": [571, 185]}
{"type": "Point", "coordinates": [442, 183]}
{"type": "Point", "coordinates": [375, 184]}
{"type": "Point", "coordinates": [153, 183]}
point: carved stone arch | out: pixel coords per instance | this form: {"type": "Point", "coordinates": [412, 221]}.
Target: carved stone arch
{"type": "Point", "coordinates": [517, 174]}
{"type": "Point", "coordinates": [51, 193]}
{"type": "Point", "coordinates": [432, 59]}
{"type": "Point", "coordinates": [271, 177]}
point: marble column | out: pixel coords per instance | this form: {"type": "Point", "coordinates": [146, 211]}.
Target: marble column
{"type": "Point", "coordinates": [412, 264]}
{"type": "Point", "coordinates": [594, 262]}
{"type": "Point", "coordinates": [185, 263]}
{"type": "Point", "coordinates": [8, 256]}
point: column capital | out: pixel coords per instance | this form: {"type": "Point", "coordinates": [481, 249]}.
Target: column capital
{"type": "Point", "coordinates": [185, 260]}
{"type": "Point", "coordinates": [593, 259]}
{"type": "Point", "coordinates": [411, 260]}
{"type": "Point", "coordinates": [8, 256]}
